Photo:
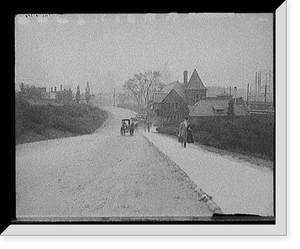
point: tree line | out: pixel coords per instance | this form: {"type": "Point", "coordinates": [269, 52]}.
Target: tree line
{"type": "Point", "coordinates": [87, 94]}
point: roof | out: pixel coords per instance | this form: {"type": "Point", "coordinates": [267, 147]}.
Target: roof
{"type": "Point", "coordinates": [159, 96]}
{"type": "Point", "coordinates": [171, 93]}
{"type": "Point", "coordinates": [177, 86]}
{"type": "Point", "coordinates": [207, 107]}
{"type": "Point", "coordinates": [195, 83]}
{"type": "Point", "coordinates": [240, 109]}
{"type": "Point", "coordinates": [204, 107]}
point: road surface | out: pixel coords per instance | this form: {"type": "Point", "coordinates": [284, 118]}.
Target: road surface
{"type": "Point", "coordinates": [103, 174]}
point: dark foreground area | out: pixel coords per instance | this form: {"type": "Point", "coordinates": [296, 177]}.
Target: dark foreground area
{"type": "Point", "coordinates": [41, 122]}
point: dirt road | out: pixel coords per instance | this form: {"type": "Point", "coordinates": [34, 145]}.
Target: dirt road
{"type": "Point", "coordinates": [102, 175]}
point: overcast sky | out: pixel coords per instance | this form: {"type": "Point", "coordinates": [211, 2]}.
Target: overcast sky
{"type": "Point", "coordinates": [107, 50]}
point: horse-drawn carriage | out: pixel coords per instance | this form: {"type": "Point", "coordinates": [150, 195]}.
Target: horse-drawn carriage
{"type": "Point", "coordinates": [127, 126]}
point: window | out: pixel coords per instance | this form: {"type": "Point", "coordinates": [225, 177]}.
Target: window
{"type": "Point", "coordinates": [176, 105]}
{"type": "Point", "coordinates": [218, 110]}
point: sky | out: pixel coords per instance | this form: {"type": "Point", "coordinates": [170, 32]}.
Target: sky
{"type": "Point", "coordinates": [106, 50]}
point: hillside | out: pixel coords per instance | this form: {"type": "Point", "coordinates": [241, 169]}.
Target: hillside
{"type": "Point", "coordinates": [41, 122]}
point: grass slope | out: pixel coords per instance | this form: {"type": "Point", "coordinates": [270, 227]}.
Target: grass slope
{"type": "Point", "coordinates": [40, 122]}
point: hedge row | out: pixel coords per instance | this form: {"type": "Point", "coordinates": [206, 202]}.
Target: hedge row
{"type": "Point", "coordinates": [77, 119]}
{"type": "Point", "coordinates": [253, 134]}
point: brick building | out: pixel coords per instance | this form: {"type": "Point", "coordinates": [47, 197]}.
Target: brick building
{"type": "Point", "coordinates": [178, 100]}
{"type": "Point", "coordinates": [175, 99]}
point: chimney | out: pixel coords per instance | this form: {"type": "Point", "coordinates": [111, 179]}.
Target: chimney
{"type": "Point", "coordinates": [185, 77]}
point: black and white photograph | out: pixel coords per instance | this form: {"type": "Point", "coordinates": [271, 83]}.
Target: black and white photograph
{"type": "Point", "coordinates": [146, 119]}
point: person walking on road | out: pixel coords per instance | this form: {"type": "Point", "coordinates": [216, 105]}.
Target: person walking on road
{"type": "Point", "coordinates": [183, 128]}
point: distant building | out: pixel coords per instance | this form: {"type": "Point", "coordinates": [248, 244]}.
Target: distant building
{"type": "Point", "coordinates": [194, 89]}
{"type": "Point", "coordinates": [170, 106]}
{"type": "Point", "coordinates": [64, 96]}
{"type": "Point", "coordinates": [54, 96]}
{"type": "Point", "coordinates": [31, 92]}
{"type": "Point", "coordinates": [177, 100]}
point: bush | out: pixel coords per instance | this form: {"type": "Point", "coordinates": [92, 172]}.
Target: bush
{"type": "Point", "coordinates": [253, 134]}
{"type": "Point", "coordinates": [75, 119]}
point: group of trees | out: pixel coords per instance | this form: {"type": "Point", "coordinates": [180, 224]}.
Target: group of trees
{"type": "Point", "coordinates": [87, 94]}
{"type": "Point", "coordinates": [141, 85]}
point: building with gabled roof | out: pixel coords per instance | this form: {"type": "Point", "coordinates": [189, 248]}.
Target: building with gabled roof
{"type": "Point", "coordinates": [173, 107]}
{"type": "Point", "coordinates": [195, 82]}
{"type": "Point", "coordinates": [177, 86]}
{"type": "Point", "coordinates": [195, 89]}
{"type": "Point", "coordinates": [177, 100]}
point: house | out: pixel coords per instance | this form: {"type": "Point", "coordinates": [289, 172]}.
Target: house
{"type": "Point", "coordinates": [64, 96]}
{"type": "Point", "coordinates": [31, 92]}
{"type": "Point", "coordinates": [194, 89]}
{"type": "Point", "coordinates": [178, 100]}
{"type": "Point", "coordinates": [172, 107]}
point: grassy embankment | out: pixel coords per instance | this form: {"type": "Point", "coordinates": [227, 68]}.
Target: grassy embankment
{"type": "Point", "coordinates": [41, 122]}
{"type": "Point", "coordinates": [250, 135]}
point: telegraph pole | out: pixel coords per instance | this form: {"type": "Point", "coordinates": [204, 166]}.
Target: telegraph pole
{"type": "Point", "coordinates": [114, 97]}
{"type": "Point", "coordinates": [266, 96]}
{"type": "Point", "coordinates": [247, 93]}
{"type": "Point", "coordinates": [256, 80]}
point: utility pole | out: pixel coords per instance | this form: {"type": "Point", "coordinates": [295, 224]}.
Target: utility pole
{"type": "Point", "coordinates": [114, 97]}
{"type": "Point", "coordinates": [266, 96]}
{"type": "Point", "coordinates": [247, 94]}
{"type": "Point", "coordinates": [256, 79]}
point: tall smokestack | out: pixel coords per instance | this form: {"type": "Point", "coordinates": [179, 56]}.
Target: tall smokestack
{"type": "Point", "coordinates": [185, 77]}
{"type": "Point", "coordinates": [256, 80]}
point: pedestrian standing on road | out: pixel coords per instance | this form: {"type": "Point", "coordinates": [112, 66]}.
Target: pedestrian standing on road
{"type": "Point", "coordinates": [183, 127]}
{"type": "Point", "coordinates": [148, 126]}
{"type": "Point", "coordinates": [190, 138]}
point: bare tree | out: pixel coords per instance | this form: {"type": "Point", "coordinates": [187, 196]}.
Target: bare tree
{"type": "Point", "coordinates": [132, 88]}
{"type": "Point", "coordinates": [141, 84]}
{"type": "Point", "coordinates": [77, 96]}
{"type": "Point", "coordinates": [87, 93]}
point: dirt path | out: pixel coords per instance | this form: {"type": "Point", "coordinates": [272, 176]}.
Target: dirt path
{"type": "Point", "coordinates": [102, 175]}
